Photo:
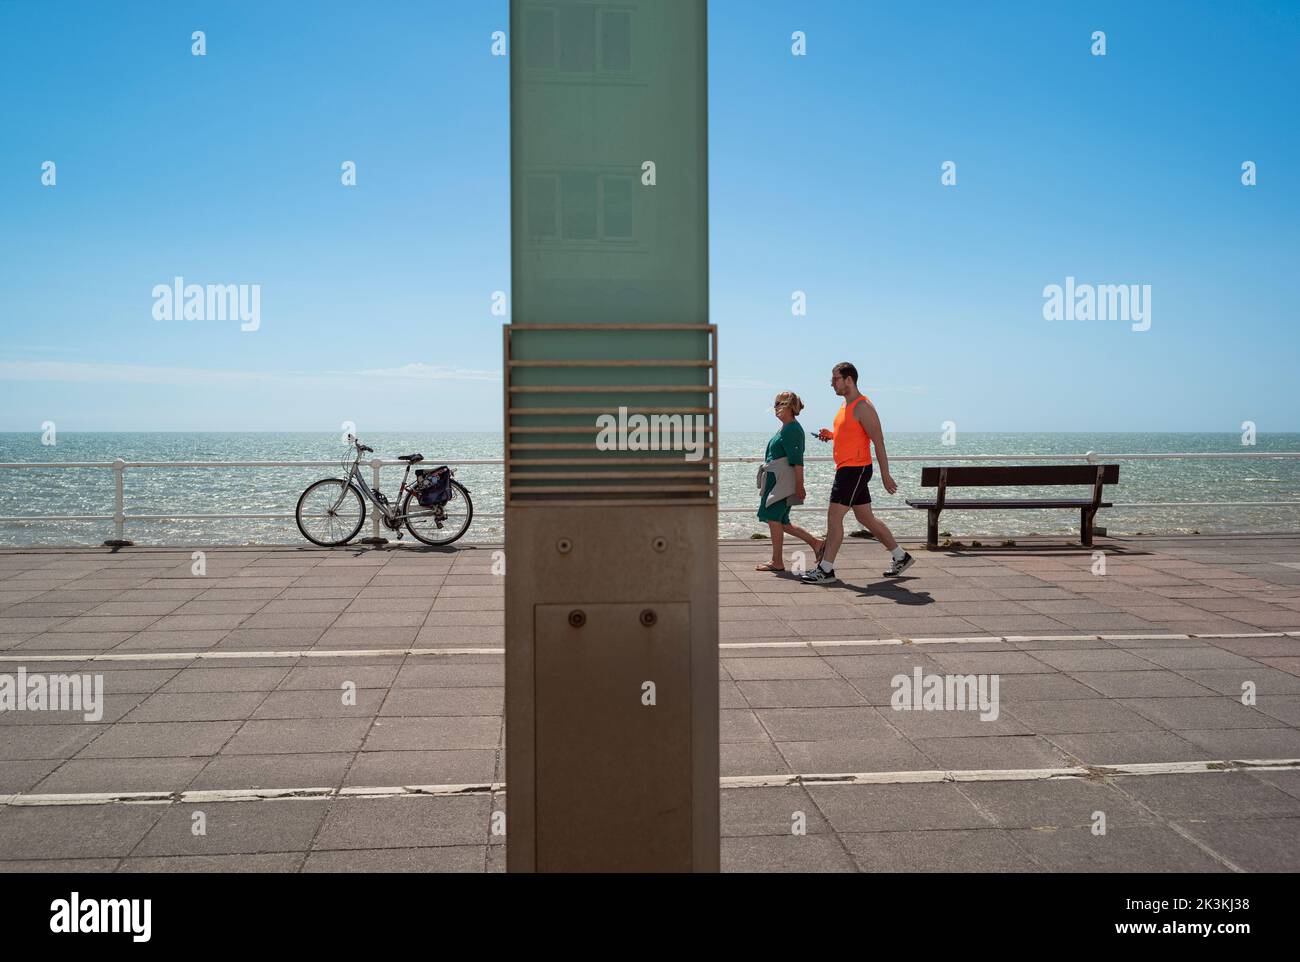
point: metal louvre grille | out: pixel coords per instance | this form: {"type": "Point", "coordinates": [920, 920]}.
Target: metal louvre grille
{"type": "Point", "coordinates": [611, 412]}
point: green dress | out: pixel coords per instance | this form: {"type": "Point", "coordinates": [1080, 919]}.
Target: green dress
{"type": "Point", "coordinates": [786, 443]}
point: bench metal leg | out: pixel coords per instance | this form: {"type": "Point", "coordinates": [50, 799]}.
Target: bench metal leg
{"type": "Point", "coordinates": [1085, 527]}
{"type": "Point", "coordinates": [932, 530]}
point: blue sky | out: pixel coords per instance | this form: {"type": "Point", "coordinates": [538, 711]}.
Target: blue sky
{"type": "Point", "coordinates": [824, 178]}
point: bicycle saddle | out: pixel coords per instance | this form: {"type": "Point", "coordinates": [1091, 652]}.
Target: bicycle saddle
{"type": "Point", "coordinates": [413, 458]}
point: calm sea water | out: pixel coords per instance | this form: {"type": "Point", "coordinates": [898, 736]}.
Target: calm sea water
{"type": "Point", "coordinates": [29, 492]}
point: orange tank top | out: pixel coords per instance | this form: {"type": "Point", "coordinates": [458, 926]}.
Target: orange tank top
{"type": "Point", "coordinates": [852, 444]}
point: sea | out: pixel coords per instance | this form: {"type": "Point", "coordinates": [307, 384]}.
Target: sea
{"type": "Point", "coordinates": [1153, 497]}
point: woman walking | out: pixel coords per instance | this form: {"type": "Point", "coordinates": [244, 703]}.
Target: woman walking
{"type": "Point", "coordinates": [782, 481]}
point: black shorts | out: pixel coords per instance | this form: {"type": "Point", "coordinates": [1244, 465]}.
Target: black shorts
{"type": "Point", "coordinates": [850, 486]}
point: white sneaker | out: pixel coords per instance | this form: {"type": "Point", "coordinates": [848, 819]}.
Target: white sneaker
{"type": "Point", "coordinates": [898, 566]}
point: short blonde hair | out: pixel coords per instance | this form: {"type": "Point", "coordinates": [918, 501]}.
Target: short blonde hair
{"type": "Point", "coordinates": [788, 399]}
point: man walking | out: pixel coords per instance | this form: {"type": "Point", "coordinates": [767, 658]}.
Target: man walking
{"type": "Point", "coordinates": [856, 429]}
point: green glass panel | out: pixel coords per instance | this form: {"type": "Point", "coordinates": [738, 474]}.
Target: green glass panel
{"type": "Point", "coordinates": [609, 225]}
{"type": "Point", "coordinates": [603, 88]}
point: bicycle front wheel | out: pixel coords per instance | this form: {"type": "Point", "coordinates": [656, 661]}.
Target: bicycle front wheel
{"type": "Point", "coordinates": [330, 512]}
{"type": "Point", "coordinates": [443, 524]}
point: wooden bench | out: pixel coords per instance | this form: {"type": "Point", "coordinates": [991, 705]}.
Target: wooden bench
{"type": "Point", "coordinates": [1096, 475]}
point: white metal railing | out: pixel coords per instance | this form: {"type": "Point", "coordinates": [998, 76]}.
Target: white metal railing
{"type": "Point", "coordinates": [119, 517]}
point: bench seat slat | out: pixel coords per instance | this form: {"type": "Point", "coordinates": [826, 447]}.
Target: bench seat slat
{"type": "Point", "coordinates": [981, 476]}
{"type": "Point", "coordinates": [1008, 503]}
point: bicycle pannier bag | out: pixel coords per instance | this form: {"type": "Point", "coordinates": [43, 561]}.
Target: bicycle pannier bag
{"type": "Point", "coordinates": [434, 486]}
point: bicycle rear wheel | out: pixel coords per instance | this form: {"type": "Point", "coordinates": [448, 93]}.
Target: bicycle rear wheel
{"type": "Point", "coordinates": [443, 524]}
{"type": "Point", "coordinates": [330, 512]}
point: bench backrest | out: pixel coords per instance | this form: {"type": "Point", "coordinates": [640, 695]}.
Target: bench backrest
{"type": "Point", "coordinates": [1003, 475]}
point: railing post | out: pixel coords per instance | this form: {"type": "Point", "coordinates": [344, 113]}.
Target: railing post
{"type": "Point", "coordinates": [119, 507]}
{"type": "Point", "coordinates": [376, 537]}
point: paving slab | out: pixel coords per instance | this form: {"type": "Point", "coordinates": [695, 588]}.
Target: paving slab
{"type": "Point", "coordinates": [940, 850]}
{"type": "Point", "coordinates": [763, 669]}
{"type": "Point", "coordinates": [415, 702]}
{"type": "Point", "coordinates": [770, 811]}
{"type": "Point", "coordinates": [1145, 684]}
{"type": "Point", "coordinates": [433, 733]}
{"type": "Point", "coordinates": [62, 865]}
{"type": "Point", "coordinates": [886, 808]}
{"type": "Point", "coordinates": [404, 823]}
{"type": "Point", "coordinates": [234, 828]}
{"type": "Point", "coordinates": [20, 742]}
{"type": "Point", "coordinates": [274, 862]}
{"type": "Point", "coordinates": [1212, 711]}
{"type": "Point", "coordinates": [1073, 717]}
{"type": "Point", "coordinates": [992, 752]}
{"type": "Point", "coordinates": [803, 693]}
{"type": "Point", "coordinates": [822, 724]}
{"type": "Point", "coordinates": [1055, 803]}
{"type": "Point", "coordinates": [893, 753]}
{"type": "Point", "coordinates": [1145, 848]}
{"type": "Point", "coordinates": [342, 703]}
{"type": "Point", "coordinates": [298, 736]}
{"type": "Point", "coordinates": [197, 706]}
{"type": "Point", "coordinates": [161, 739]}
{"type": "Point", "coordinates": [1122, 748]}
{"type": "Point", "coordinates": [789, 853]}
{"type": "Point", "coordinates": [420, 767]}
{"type": "Point", "coordinates": [120, 775]}
{"type": "Point", "coordinates": [1246, 743]}
{"type": "Point", "coordinates": [753, 758]}
{"type": "Point", "coordinates": [19, 776]}
{"type": "Point", "coordinates": [80, 831]}
{"type": "Point", "coordinates": [447, 858]}
{"type": "Point", "coordinates": [1217, 795]}
{"type": "Point", "coordinates": [305, 770]}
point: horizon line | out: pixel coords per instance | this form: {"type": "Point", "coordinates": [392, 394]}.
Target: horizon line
{"type": "Point", "coordinates": [498, 430]}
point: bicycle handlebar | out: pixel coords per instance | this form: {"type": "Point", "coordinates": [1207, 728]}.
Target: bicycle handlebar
{"type": "Point", "coordinates": [361, 448]}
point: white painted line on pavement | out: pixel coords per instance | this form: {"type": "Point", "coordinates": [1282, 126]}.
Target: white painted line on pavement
{"type": "Point", "coordinates": [987, 639]}
{"type": "Point", "coordinates": [1010, 774]}
{"type": "Point", "coordinates": [224, 655]}
{"type": "Point", "coordinates": [1143, 637]}
{"type": "Point", "coordinates": [728, 782]}
{"type": "Point", "coordinates": [1018, 638]}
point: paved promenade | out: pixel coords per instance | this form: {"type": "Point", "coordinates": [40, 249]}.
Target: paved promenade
{"type": "Point", "coordinates": [1119, 693]}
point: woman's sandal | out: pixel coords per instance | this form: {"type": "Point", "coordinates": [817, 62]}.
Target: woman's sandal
{"type": "Point", "coordinates": [767, 566]}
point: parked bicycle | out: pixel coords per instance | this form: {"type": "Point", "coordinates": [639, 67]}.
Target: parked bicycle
{"type": "Point", "coordinates": [436, 509]}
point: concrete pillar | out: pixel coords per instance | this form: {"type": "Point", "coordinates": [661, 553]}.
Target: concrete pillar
{"type": "Point", "coordinates": [611, 521]}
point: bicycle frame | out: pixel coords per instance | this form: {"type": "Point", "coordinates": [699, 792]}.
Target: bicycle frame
{"type": "Point", "coordinates": [392, 513]}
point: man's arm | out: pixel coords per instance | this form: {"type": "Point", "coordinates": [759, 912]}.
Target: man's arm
{"type": "Point", "coordinates": [870, 421]}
